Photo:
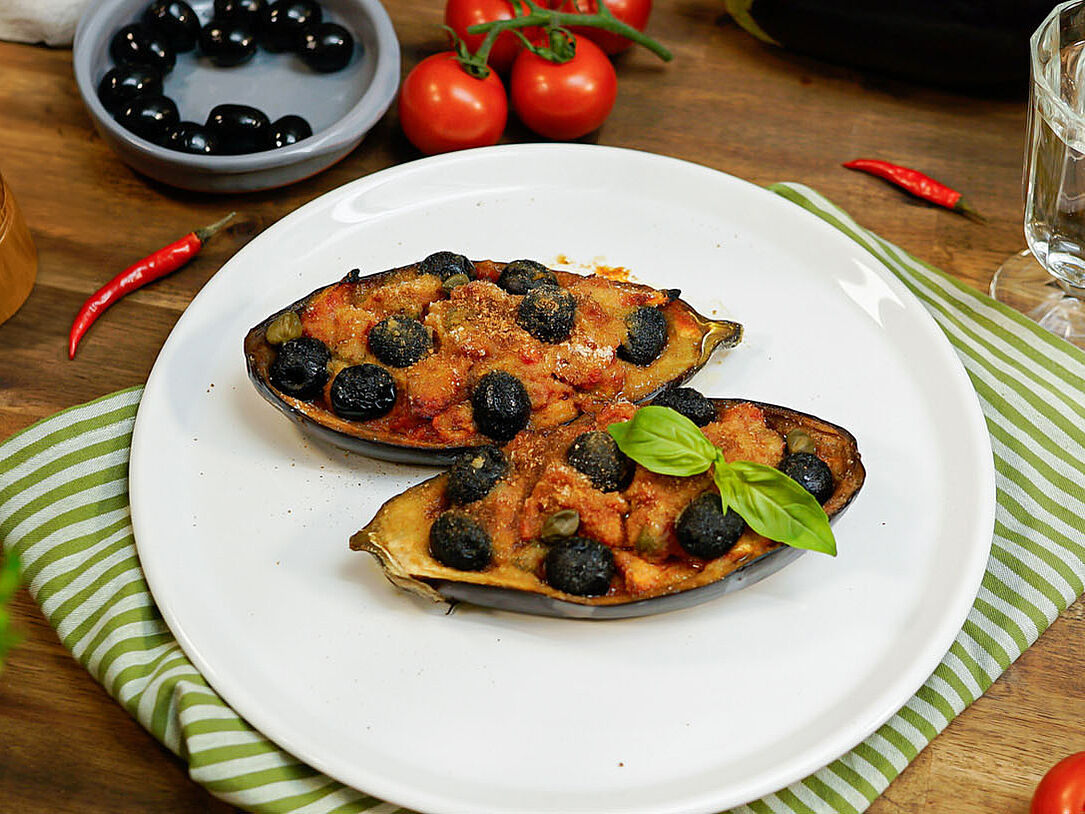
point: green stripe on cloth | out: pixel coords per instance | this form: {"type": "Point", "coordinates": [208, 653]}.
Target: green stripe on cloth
{"type": "Point", "coordinates": [64, 510]}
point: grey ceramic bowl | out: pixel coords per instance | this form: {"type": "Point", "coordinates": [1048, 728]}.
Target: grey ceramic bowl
{"type": "Point", "coordinates": [341, 107]}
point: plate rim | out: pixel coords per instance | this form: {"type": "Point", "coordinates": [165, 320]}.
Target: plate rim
{"type": "Point", "coordinates": [832, 748]}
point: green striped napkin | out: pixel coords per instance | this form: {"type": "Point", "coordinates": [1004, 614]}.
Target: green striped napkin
{"type": "Point", "coordinates": [64, 511]}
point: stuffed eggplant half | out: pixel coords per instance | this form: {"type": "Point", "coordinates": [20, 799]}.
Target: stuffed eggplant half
{"type": "Point", "coordinates": [560, 522]}
{"type": "Point", "coordinates": [419, 363]}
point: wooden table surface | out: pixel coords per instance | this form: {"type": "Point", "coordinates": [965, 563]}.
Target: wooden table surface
{"type": "Point", "coordinates": [727, 102]}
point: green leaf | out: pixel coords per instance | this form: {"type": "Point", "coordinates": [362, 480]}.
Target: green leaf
{"type": "Point", "coordinates": [9, 581]}
{"type": "Point", "coordinates": [664, 441]}
{"type": "Point", "coordinates": [774, 505]}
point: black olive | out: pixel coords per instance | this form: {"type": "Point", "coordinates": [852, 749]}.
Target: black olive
{"type": "Point", "coordinates": [149, 117]}
{"type": "Point", "coordinates": [363, 392]}
{"type": "Point", "coordinates": [580, 566]}
{"type": "Point", "coordinates": [705, 531]}
{"type": "Point", "coordinates": [326, 47]}
{"type": "Point", "coordinates": [445, 264]}
{"type": "Point", "coordinates": [647, 336]}
{"type": "Point", "coordinates": [227, 42]}
{"type": "Point", "coordinates": [301, 368]}
{"type": "Point", "coordinates": [138, 45]}
{"type": "Point", "coordinates": [520, 276]}
{"type": "Point", "coordinates": [124, 83]}
{"type": "Point", "coordinates": [547, 313]}
{"type": "Point", "coordinates": [176, 21]}
{"type": "Point", "coordinates": [239, 129]}
{"type": "Point", "coordinates": [289, 130]}
{"type": "Point", "coordinates": [501, 405]}
{"type": "Point", "coordinates": [190, 137]}
{"type": "Point", "coordinates": [811, 473]}
{"type": "Point", "coordinates": [689, 402]}
{"type": "Point", "coordinates": [247, 11]}
{"type": "Point", "coordinates": [459, 542]}
{"type": "Point", "coordinates": [474, 474]}
{"type": "Point", "coordinates": [596, 454]}
{"type": "Point", "coordinates": [399, 341]}
{"type": "Point", "coordinates": [283, 22]}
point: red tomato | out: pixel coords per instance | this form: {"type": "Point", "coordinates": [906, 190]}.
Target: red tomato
{"type": "Point", "coordinates": [631, 12]}
{"type": "Point", "coordinates": [1062, 791]}
{"type": "Point", "coordinates": [443, 108]}
{"type": "Point", "coordinates": [462, 14]}
{"type": "Point", "coordinates": [567, 100]}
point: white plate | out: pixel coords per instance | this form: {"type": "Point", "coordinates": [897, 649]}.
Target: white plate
{"type": "Point", "coordinates": [242, 524]}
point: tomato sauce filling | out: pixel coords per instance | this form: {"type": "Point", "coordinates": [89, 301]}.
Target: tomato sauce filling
{"type": "Point", "coordinates": [474, 330]}
{"type": "Point", "coordinates": [638, 522]}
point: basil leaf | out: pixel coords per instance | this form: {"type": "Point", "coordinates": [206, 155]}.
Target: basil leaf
{"type": "Point", "coordinates": [774, 505]}
{"type": "Point", "coordinates": [664, 441]}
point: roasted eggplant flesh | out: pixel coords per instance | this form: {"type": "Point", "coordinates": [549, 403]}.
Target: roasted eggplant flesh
{"type": "Point", "coordinates": [555, 532]}
{"type": "Point", "coordinates": [440, 327]}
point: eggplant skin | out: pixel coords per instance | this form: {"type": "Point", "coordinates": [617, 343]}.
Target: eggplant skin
{"type": "Point", "coordinates": [398, 535]}
{"type": "Point", "coordinates": [358, 436]}
{"type": "Point", "coordinates": [963, 44]}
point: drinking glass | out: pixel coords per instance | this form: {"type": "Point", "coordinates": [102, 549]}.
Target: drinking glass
{"type": "Point", "coordinates": [18, 257]}
{"type": "Point", "coordinates": [1047, 280]}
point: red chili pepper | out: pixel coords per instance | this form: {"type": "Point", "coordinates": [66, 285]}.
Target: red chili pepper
{"type": "Point", "coordinates": [915, 182]}
{"type": "Point", "coordinates": [162, 262]}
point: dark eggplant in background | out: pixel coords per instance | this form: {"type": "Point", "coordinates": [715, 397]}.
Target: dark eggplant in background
{"type": "Point", "coordinates": [976, 45]}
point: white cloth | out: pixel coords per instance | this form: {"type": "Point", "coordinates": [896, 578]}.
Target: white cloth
{"type": "Point", "coordinates": [49, 21]}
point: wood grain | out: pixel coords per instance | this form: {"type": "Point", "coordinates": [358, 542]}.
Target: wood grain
{"type": "Point", "coordinates": [728, 102]}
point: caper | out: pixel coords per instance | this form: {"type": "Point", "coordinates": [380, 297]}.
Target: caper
{"type": "Point", "coordinates": [286, 327]}
{"type": "Point", "coordinates": [559, 525]}
{"type": "Point", "coordinates": [800, 441]}
{"type": "Point", "coordinates": [455, 281]}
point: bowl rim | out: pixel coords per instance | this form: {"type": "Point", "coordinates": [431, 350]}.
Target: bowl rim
{"type": "Point", "coordinates": [351, 127]}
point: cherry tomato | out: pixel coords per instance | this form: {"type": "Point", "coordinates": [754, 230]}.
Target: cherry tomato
{"type": "Point", "coordinates": [567, 100]}
{"type": "Point", "coordinates": [443, 108]}
{"type": "Point", "coordinates": [1062, 791]}
{"type": "Point", "coordinates": [462, 14]}
{"type": "Point", "coordinates": [631, 12]}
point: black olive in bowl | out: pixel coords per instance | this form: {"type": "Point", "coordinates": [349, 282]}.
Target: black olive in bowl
{"type": "Point", "coordinates": [124, 83]}
{"type": "Point", "coordinates": [289, 130]}
{"type": "Point", "coordinates": [149, 117]}
{"type": "Point", "coordinates": [326, 47]}
{"type": "Point", "coordinates": [363, 392]}
{"type": "Point", "coordinates": [246, 11]}
{"type": "Point", "coordinates": [227, 42]}
{"type": "Point", "coordinates": [239, 129]}
{"type": "Point", "coordinates": [138, 45]}
{"type": "Point", "coordinates": [192, 137]}
{"type": "Point", "coordinates": [283, 23]}
{"type": "Point", "coordinates": [176, 21]}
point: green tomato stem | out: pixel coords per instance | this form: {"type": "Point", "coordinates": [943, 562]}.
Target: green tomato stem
{"type": "Point", "coordinates": [564, 19]}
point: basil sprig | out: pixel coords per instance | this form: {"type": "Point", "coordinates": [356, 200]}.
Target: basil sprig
{"type": "Point", "coordinates": [772, 504]}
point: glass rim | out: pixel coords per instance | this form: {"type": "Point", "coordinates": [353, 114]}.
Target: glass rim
{"type": "Point", "coordinates": [1037, 78]}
